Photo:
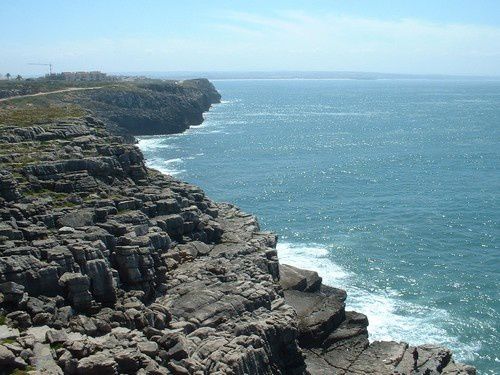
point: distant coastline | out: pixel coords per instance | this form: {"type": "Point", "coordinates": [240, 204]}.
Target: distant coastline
{"type": "Point", "coordinates": [313, 75]}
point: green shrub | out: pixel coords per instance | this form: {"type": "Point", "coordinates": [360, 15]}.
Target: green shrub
{"type": "Point", "coordinates": [56, 346]}
{"type": "Point", "coordinates": [26, 371]}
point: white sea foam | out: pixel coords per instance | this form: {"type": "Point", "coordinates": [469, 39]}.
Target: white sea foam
{"type": "Point", "coordinates": [207, 127]}
{"type": "Point", "coordinates": [170, 166]}
{"type": "Point", "coordinates": [199, 126]}
{"type": "Point", "coordinates": [152, 143]}
{"type": "Point", "coordinates": [390, 317]}
{"type": "Point", "coordinates": [313, 257]}
{"type": "Point", "coordinates": [229, 101]}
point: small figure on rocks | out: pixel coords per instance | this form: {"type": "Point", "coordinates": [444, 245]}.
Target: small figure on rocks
{"type": "Point", "coordinates": [415, 358]}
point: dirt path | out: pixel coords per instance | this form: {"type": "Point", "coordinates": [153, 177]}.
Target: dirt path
{"type": "Point", "coordinates": [51, 92]}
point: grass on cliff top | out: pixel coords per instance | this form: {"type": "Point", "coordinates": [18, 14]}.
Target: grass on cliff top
{"type": "Point", "coordinates": [59, 200]}
{"type": "Point", "coordinates": [27, 147]}
{"type": "Point", "coordinates": [46, 85]}
{"type": "Point", "coordinates": [31, 115]}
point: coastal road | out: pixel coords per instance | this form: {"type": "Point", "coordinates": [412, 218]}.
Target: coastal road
{"type": "Point", "coordinates": [51, 92]}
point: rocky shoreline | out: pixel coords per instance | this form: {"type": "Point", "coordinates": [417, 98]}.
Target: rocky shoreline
{"type": "Point", "coordinates": [108, 267]}
{"type": "Point", "coordinates": [148, 107]}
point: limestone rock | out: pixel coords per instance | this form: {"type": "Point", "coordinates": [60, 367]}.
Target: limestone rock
{"type": "Point", "coordinates": [76, 288]}
{"type": "Point", "coordinates": [43, 361]}
{"type": "Point", "coordinates": [149, 348]}
{"type": "Point", "coordinates": [8, 333]}
{"type": "Point", "coordinates": [318, 315]}
{"type": "Point", "coordinates": [7, 358]}
{"type": "Point", "coordinates": [13, 292]}
{"type": "Point", "coordinates": [97, 364]}
{"type": "Point", "coordinates": [77, 219]}
{"type": "Point", "coordinates": [298, 279]}
{"type": "Point", "coordinates": [102, 283]}
{"type": "Point", "coordinates": [56, 337]}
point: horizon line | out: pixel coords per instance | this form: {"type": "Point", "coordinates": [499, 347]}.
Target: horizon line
{"type": "Point", "coordinates": [416, 75]}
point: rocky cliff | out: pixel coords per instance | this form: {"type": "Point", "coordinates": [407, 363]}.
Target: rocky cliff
{"type": "Point", "coordinates": [149, 107]}
{"type": "Point", "coordinates": [108, 267]}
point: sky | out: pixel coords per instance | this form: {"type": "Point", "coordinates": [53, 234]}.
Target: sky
{"type": "Point", "coordinates": [399, 36]}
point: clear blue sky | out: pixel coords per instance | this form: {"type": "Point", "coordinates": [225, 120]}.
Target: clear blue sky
{"type": "Point", "coordinates": [426, 36]}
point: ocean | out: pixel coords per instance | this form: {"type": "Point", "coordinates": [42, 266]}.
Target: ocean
{"type": "Point", "coordinates": [388, 188]}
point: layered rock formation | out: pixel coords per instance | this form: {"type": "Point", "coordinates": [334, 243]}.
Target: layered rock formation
{"type": "Point", "coordinates": [149, 107]}
{"type": "Point", "coordinates": [108, 267]}
{"type": "Point", "coordinates": [335, 341]}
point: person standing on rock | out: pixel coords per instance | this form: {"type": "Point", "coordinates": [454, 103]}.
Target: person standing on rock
{"type": "Point", "coordinates": [415, 358]}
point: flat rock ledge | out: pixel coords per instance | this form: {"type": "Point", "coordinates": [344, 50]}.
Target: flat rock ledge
{"type": "Point", "coordinates": [335, 341]}
{"type": "Point", "coordinates": [107, 267]}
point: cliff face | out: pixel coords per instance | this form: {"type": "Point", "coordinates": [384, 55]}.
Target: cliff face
{"type": "Point", "coordinates": [109, 267]}
{"type": "Point", "coordinates": [149, 108]}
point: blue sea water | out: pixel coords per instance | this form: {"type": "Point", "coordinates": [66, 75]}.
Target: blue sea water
{"type": "Point", "coordinates": [388, 188]}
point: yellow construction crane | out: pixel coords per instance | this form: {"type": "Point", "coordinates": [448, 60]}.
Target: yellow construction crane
{"type": "Point", "coordinates": [49, 65]}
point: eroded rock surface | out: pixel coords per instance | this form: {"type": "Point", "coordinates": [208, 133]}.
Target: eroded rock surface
{"type": "Point", "coordinates": [108, 267]}
{"type": "Point", "coordinates": [335, 341]}
{"type": "Point", "coordinates": [150, 107]}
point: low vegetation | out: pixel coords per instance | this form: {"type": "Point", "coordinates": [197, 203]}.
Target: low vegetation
{"type": "Point", "coordinates": [45, 85]}
{"type": "Point", "coordinates": [31, 115]}
{"type": "Point", "coordinates": [26, 371]}
{"type": "Point", "coordinates": [56, 345]}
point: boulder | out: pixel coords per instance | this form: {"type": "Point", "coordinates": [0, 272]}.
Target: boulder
{"type": "Point", "coordinates": [102, 283]}
{"type": "Point", "coordinates": [458, 369]}
{"type": "Point", "coordinates": [172, 224]}
{"type": "Point", "coordinates": [167, 206]}
{"type": "Point", "coordinates": [135, 265]}
{"type": "Point", "coordinates": [354, 326]}
{"type": "Point", "coordinates": [318, 315]}
{"type": "Point", "coordinates": [76, 287]}
{"type": "Point", "coordinates": [193, 249]}
{"type": "Point", "coordinates": [43, 361]}
{"type": "Point", "coordinates": [149, 348]}
{"type": "Point", "coordinates": [7, 358]}
{"type": "Point", "coordinates": [35, 306]}
{"type": "Point", "coordinates": [21, 319]}
{"type": "Point", "coordinates": [8, 186]}
{"type": "Point", "coordinates": [8, 333]}
{"type": "Point", "coordinates": [77, 219]}
{"type": "Point", "coordinates": [13, 292]}
{"type": "Point", "coordinates": [128, 361]}
{"type": "Point", "coordinates": [293, 278]}
{"type": "Point", "coordinates": [97, 364]}
{"type": "Point", "coordinates": [56, 337]}
{"type": "Point", "coordinates": [35, 276]}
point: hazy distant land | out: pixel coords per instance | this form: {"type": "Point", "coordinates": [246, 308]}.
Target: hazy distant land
{"type": "Point", "coordinates": [214, 75]}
